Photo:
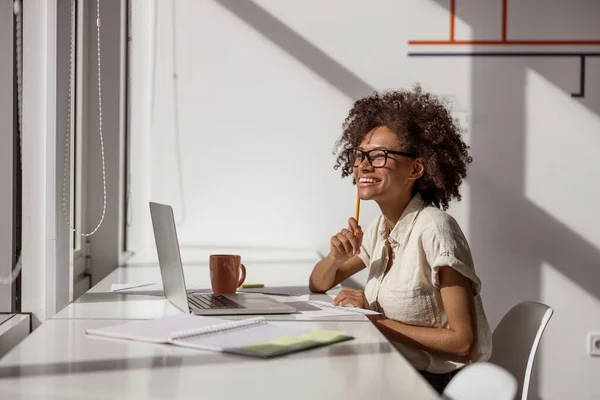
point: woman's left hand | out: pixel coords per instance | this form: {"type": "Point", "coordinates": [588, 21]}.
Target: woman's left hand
{"type": "Point", "coordinates": [347, 295]}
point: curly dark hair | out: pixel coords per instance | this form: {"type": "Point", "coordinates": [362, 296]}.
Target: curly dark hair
{"type": "Point", "coordinates": [424, 126]}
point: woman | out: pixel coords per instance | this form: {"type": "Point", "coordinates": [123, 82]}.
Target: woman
{"type": "Point", "coordinates": [405, 153]}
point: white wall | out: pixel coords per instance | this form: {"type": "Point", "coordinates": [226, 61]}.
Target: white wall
{"type": "Point", "coordinates": [531, 193]}
{"type": "Point", "coordinates": [264, 87]}
{"type": "Point", "coordinates": [258, 125]}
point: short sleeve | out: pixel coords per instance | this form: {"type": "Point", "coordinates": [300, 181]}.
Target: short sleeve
{"type": "Point", "coordinates": [369, 241]}
{"type": "Point", "coordinates": [445, 245]}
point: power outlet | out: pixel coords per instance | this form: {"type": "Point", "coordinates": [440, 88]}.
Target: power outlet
{"type": "Point", "coordinates": [594, 344]}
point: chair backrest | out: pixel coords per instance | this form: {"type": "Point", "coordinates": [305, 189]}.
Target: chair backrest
{"type": "Point", "coordinates": [482, 380]}
{"type": "Point", "coordinates": [516, 338]}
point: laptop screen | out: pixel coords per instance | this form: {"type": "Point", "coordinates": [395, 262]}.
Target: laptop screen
{"type": "Point", "coordinates": [169, 257]}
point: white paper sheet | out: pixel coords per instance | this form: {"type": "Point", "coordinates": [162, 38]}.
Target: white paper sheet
{"type": "Point", "coordinates": [238, 338]}
{"type": "Point", "coordinates": [326, 309]}
{"type": "Point", "coordinates": [156, 330]}
{"type": "Point", "coordinates": [151, 289]}
{"type": "Point", "coordinates": [215, 334]}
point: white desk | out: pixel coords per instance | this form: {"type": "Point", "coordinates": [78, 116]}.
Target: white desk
{"type": "Point", "coordinates": [99, 303]}
{"type": "Point", "coordinates": [58, 361]}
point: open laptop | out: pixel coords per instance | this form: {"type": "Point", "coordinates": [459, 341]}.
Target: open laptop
{"type": "Point", "coordinates": [171, 271]}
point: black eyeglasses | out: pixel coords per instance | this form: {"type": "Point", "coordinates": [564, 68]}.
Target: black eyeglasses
{"type": "Point", "coordinates": [377, 157]}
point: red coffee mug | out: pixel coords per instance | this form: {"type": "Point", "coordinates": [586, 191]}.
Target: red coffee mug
{"type": "Point", "coordinates": [225, 273]}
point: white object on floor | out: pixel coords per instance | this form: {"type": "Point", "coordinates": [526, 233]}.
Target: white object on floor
{"type": "Point", "coordinates": [482, 380]}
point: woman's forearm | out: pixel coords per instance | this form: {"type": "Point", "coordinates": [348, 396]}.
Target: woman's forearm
{"type": "Point", "coordinates": [323, 276]}
{"type": "Point", "coordinates": [442, 340]}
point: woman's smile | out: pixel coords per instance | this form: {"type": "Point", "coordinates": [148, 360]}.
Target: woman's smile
{"type": "Point", "coordinates": [366, 181]}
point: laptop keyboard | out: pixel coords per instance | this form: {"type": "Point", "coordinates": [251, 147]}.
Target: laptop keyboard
{"type": "Point", "coordinates": [208, 301]}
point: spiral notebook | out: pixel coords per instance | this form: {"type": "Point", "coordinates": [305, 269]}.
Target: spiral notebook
{"type": "Point", "coordinates": [251, 337]}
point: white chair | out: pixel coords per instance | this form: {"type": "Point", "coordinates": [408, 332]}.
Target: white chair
{"type": "Point", "coordinates": [482, 380]}
{"type": "Point", "coordinates": [516, 338]}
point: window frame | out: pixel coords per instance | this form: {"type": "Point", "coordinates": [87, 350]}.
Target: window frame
{"type": "Point", "coordinates": [7, 159]}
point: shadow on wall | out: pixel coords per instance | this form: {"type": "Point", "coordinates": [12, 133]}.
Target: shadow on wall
{"type": "Point", "coordinates": [512, 236]}
{"type": "Point", "coordinates": [301, 49]}
{"type": "Point", "coordinates": [499, 207]}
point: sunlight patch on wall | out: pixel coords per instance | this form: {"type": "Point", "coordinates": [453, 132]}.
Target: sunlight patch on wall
{"type": "Point", "coordinates": [575, 314]}
{"type": "Point", "coordinates": [561, 166]}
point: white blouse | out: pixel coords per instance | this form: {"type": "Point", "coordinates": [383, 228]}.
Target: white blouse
{"type": "Point", "coordinates": [424, 239]}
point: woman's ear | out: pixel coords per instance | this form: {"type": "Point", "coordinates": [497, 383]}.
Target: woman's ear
{"type": "Point", "coordinates": [418, 169]}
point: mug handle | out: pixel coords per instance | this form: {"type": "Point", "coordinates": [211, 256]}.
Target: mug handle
{"type": "Point", "coordinates": [243, 278]}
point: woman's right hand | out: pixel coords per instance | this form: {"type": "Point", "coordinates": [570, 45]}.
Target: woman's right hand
{"type": "Point", "coordinates": [344, 245]}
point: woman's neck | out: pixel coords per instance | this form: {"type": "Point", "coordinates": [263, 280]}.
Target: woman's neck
{"type": "Point", "coordinates": [392, 209]}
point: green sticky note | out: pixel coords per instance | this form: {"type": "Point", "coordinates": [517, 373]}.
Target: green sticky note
{"type": "Point", "coordinates": [320, 336]}
{"type": "Point", "coordinates": [287, 344]}
{"type": "Point", "coordinates": [290, 341]}
{"type": "Point", "coordinates": [252, 285]}
{"type": "Point", "coordinates": [324, 336]}
{"type": "Point", "coordinates": [279, 346]}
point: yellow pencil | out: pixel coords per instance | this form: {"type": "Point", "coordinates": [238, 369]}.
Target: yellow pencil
{"type": "Point", "coordinates": [357, 211]}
